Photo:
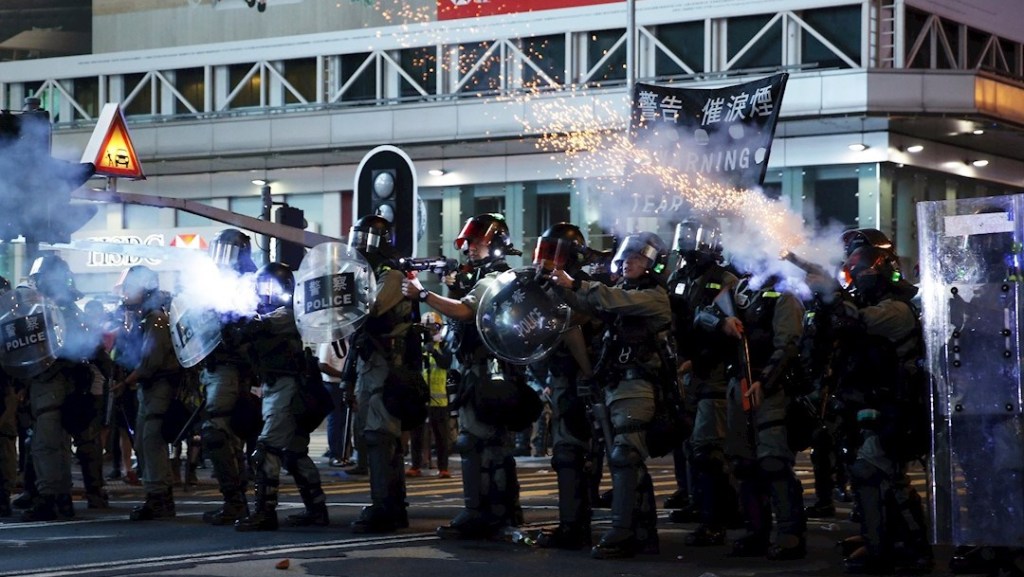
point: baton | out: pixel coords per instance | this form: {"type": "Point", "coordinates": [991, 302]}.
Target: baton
{"type": "Point", "coordinates": [188, 423]}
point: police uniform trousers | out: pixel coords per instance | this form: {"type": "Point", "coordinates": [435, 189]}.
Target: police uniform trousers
{"type": "Point", "coordinates": [281, 442]}
{"type": "Point", "coordinates": [569, 454]}
{"type": "Point", "coordinates": [490, 486]}
{"type": "Point", "coordinates": [634, 516]}
{"type": "Point", "coordinates": [758, 446]}
{"type": "Point", "coordinates": [150, 445]}
{"type": "Point", "coordinates": [382, 434]}
{"type": "Point", "coordinates": [51, 444]}
{"type": "Point", "coordinates": [713, 491]}
{"type": "Point", "coordinates": [220, 444]}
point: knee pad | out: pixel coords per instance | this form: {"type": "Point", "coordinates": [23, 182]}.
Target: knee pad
{"type": "Point", "coordinates": [863, 472]}
{"type": "Point", "coordinates": [624, 456]}
{"type": "Point", "coordinates": [774, 468]}
{"type": "Point", "coordinates": [466, 443]}
{"type": "Point", "coordinates": [566, 457]}
{"type": "Point", "coordinates": [214, 438]}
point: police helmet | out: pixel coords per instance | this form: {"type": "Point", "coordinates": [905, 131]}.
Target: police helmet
{"type": "Point", "coordinates": [490, 228]}
{"type": "Point", "coordinates": [231, 248]}
{"type": "Point", "coordinates": [561, 246]}
{"type": "Point", "coordinates": [275, 285]}
{"type": "Point", "coordinates": [698, 235]}
{"type": "Point", "coordinates": [858, 237]}
{"type": "Point", "coordinates": [371, 233]}
{"type": "Point", "coordinates": [645, 244]}
{"type": "Point", "coordinates": [870, 272]}
{"type": "Point", "coordinates": [139, 279]}
{"type": "Point", "coordinates": [52, 277]}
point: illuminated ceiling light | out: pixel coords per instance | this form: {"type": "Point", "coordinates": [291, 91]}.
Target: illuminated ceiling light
{"type": "Point", "coordinates": [259, 181]}
{"type": "Point", "coordinates": [858, 147]}
{"type": "Point", "coordinates": [978, 132]}
{"type": "Point", "coordinates": [915, 148]}
{"type": "Point", "coordinates": [436, 172]}
{"type": "Point", "coordinates": [980, 163]}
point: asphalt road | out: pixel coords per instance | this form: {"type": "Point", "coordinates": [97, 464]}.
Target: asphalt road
{"type": "Point", "coordinates": [104, 542]}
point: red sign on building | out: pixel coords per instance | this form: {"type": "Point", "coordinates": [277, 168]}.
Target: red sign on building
{"type": "Point", "coordinates": [454, 9]}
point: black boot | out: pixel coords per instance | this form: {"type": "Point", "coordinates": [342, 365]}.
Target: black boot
{"type": "Point", "coordinates": [314, 515]}
{"type": "Point", "coordinates": [5, 504]}
{"type": "Point", "coordinates": [566, 536]}
{"type": "Point", "coordinates": [471, 522]}
{"type": "Point", "coordinates": [156, 506]}
{"type": "Point", "coordinates": [233, 509]}
{"type": "Point", "coordinates": [620, 541]}
{"type": "Point", "coordinates": [65, 506]}
{"type": "Point", "coordinates": [44, 508]}
{"type": "Point", "coordinates": [574, 513]}
{"type": "Point", "coordinates": [264, 515]}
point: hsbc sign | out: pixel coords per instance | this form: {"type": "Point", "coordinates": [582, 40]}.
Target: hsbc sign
{"type": "Point", "coordinates": [105, 259]}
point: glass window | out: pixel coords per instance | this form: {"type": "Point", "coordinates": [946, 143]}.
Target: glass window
{"type": "Point", "coordinates": [952, 32]}
{"type": "Point", "coordinates": [142, 103]}
{"type": "Point", "coordinates": [598, 45]}
{"type": "Point", "coordinates": [188, 220]}
{"type": "Point", "coordinates": [301, 74]}
{"type": "Point", "coordinates": [433, 241]}
{"type": "Point", "coordinates": [190, 83]}
{"type": "Point", "coordinates": [247, 205]}
{"type": "Point", "coordinates": [485, 78]}
{"type": "Point", "coordinates": [976, 42]}
{"type": "Point", "coordinates": [365, 86]}
{"type": "Point", "coordinates": [841, 27]}
{"type": "Point", "coordinates": [138, 216]}
{"type": "Point", "coordinates": [490, 204]}
{"type": "Point", "coordinates": [548, 54]}
{"type": "Point", "coordinates": [249, 95]}
{"type": "Point", "coordinates": [421, 65]}
{"type": "Point", "coordinates": [686, 41]}
{"type": "Point", "coordinates": [916, 21]}
{"type": "Point", "coordinates": [86, 91]}
{"type": "Point", "coordinates": [765, 53]}
{"type": "Point", "coordinates": [835, 200]}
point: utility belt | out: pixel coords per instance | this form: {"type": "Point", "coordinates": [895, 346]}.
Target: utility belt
{"type": "Point", "coordinates": [633, 374]}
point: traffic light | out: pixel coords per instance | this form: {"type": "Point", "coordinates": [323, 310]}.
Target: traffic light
{"type": "Point", "coordinates": [290, 253]}
{"type": "Point", "coordinates": [35, 188]}
{"type": "Point", "coordinates": [385, 185]}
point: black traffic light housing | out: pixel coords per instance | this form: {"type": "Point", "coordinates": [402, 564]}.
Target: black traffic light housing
{"type": "Point", "coordinates": [385, 185]}
{"type": "Point", "coordinates": [35, 188]}
{"type": "Point", "coordinates": [290, 253]}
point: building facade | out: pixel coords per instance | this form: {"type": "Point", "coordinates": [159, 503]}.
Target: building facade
{"type": "Point", "coordinates": [217, 95]}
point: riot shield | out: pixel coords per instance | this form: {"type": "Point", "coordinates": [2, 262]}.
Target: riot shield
{"type": "Point", "coordinates": [519, 320]}
{"type": "Point", "coordinates": [334, 290]}
{"type": "Point", "coordinates": [971, 303]}
{"type": "Point", "coordinates": [32, 332]}
{"type": "Point", "coordinates": [195, 332]}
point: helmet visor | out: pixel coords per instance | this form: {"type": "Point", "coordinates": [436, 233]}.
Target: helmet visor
{"type": "Point", "coordinates": [694, 236]}
{"type": "Point", "coordinates": [552, 253]}
{"type": "Point", "coordinates": [368, 240]}
{"type": "Point", "coordinates": [634, 245]}
{"type": "Point", "coordinates": [474, 229]}
{"type": "Point", "coordinates": [224, 254]}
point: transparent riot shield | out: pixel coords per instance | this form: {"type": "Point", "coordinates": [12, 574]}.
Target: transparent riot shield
{"type": "Point", "coordinates": [334, 290]}
{"type": "Point", "coordinates": [31, 332]}
{"type": "Point", "coordinates": [971, 306]}
{"type": "Point", "coordinates": [195, 332]}
{"type": "Point", "coordinates": [519, 319]}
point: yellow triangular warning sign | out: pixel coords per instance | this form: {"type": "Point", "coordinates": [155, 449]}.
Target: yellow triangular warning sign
{"type": "Point", "coordinates": [110, 146]}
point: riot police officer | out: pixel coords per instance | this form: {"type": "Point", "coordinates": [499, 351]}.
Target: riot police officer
{"type": "Point", "coordinates": [276, 351]}
{"type": "Point", "coordinates": [563, 246]}
{"type": "Point", "coordinates": [768, 323]}
{"type": "Point", "coordinates": [383, 347]}
{"type": "Point", "coordinates": [639, 322]}
{"type": "Point", "coordinates": [489, 483]}
{"type": "Point", "coordinates": [701, 278]}
{"type": "Point", "coordinates": [877, 363]}
{"type": "Point", "coordinates": [224, 377]}
{"type": "Point", "coordinates": [61, 399]}
{"type": "Point", "coordinates": [146, 350]}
